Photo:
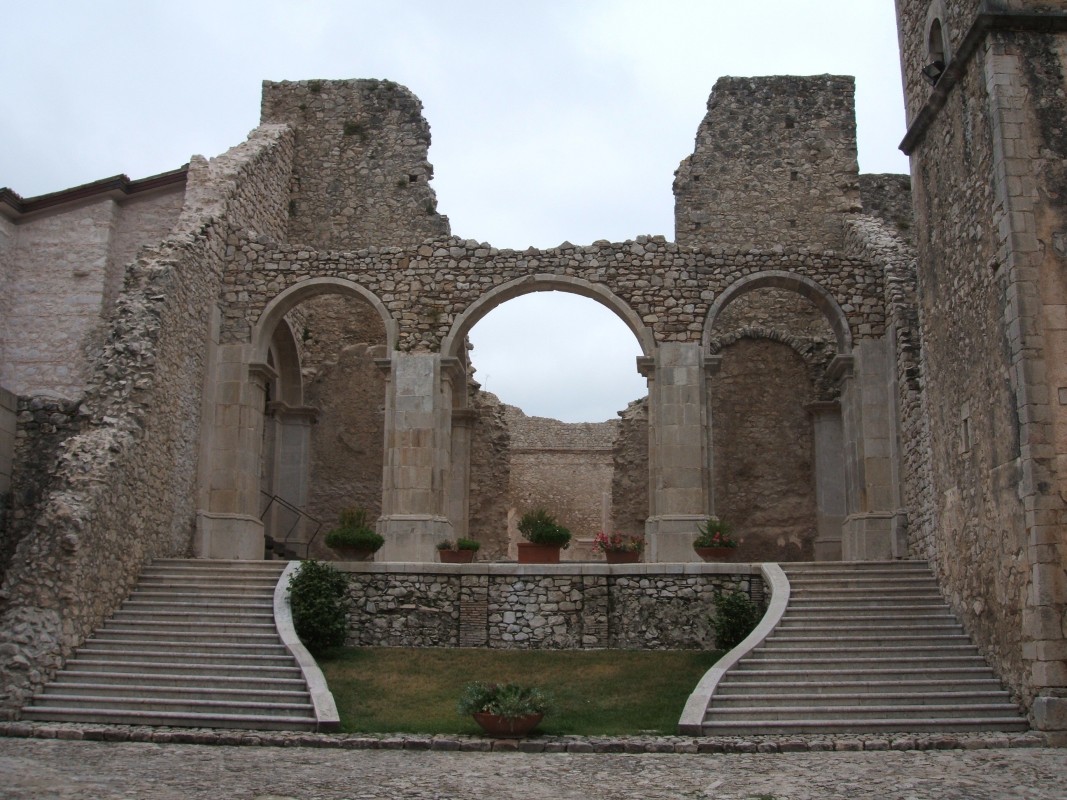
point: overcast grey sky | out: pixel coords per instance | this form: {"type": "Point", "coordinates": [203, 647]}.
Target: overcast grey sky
{"type": "Point", "coordinates": [551, 120]}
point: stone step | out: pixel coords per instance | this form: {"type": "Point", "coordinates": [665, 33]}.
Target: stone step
{"type": "Point", "coordinates": [195, 584]}
{"type": "Point", "coordinates": [176, 692]}
{"type": "Point", "coordinates": [737, 682]}
{"type": "Point", "coordinates": [897, 711]}
{"type": "Point", "coordinates": [847, 662]}
{"type": "Point", "coordinates": [826, 676]}
{"type": "Point", "coordinates": [185, 603]}
{"type": "Point", "coordinates": [171, 667]}
{"type": "Point", "coordinates": [135, 642]}
{"type": "Point", "coordinates": [808, 699]}
{"type": "Point", "coordinates": [191, 625]}
{"type": "Point", "coordinates": [799, 652]}
{"type": "Point", "coordinates": [175, 718]}
{"type": "Point", "coordinates": [801, 638]}
{"type": "Point", "coordinates": [218, 596]}
{"type": "Point", "coordinates": [189, 656]}
{"type": "Point", "coordinates": [164, 680]}
{"type": "Point", "coordinates": [113, 633]}
{"type": "Point", "coordinates": [152, 617]}
{"type": "Point", "coordinates": [866, 725]}
{"type": "Point", "coordinates": [274, 708]}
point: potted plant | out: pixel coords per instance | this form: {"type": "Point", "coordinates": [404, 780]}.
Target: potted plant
{"type": "Point", "coordinates": [544, 538]}
{"type": "Point", "coordinates": [715, 541]}
{"type": "Point", "coordinates": [353, 539]}
{"type": "Point", "coordinates": [505, 710]}
{"type": "Point", "coordinates": [460, 551]}
{"type": "Point", "coordinates": [619, 549]}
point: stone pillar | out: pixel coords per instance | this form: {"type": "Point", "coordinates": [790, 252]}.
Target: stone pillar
{"type": "Point", "coordinates": [828, 445]}
{"type": "Point", "coordinates": [418, 422]}
{"type": "Point", "coordinates": [229, 527]}
{"type": "Point", "coordinates": [867, 534]}
{"type": "Point", "coordinates": [679, 458]}
{"type": "Point", "coordinates": [290, 467]}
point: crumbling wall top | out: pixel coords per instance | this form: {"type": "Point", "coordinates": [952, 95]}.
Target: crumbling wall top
{"type": "Point", "coordinates": [774, 164]}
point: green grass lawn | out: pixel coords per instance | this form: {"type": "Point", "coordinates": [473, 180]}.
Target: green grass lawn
{"type": "Point", "coordinates": [596, 692]}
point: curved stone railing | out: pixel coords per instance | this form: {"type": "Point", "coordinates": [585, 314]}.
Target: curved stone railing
{"type": "Point", "coordinates": [321, 697]}
{"type": "Point", "coordinates": [691, 722]}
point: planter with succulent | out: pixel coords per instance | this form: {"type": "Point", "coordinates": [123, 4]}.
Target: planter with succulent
{"type": "Point", "coordinates": [715, 541]}
{"type": "Point", "coordinates": [544, 538]}
{"type": "Point", "coordinates": [618, 548]}
{"type": "Point", "coordinates": [504, 710]}
{"type": "Point", "coordinates": [460, 551]}
{"type": "Point", "coordinates": [353, 539]}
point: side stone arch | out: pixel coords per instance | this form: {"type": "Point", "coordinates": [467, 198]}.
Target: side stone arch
{"type": "Point", "coordinates": [780, 279]}
{"type": "Point", "coordinates": [452, 346]}
{"type": "Point", "coordinates": [854, 439]}
{"type": "Point", "coordinates": [287, 300]}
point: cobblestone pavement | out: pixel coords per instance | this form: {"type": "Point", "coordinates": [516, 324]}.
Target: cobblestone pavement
{"type": "Point", "coordinates": [35, 769]}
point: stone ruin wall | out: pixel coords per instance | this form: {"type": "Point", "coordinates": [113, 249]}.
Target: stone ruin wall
{"type": "Point", "coordinates": [490, 476]}
{"type": "Point", "coordinates": [565, 468]}
{"type": "Point", "coordinates": [125, 489]}
{"type": "Point", "coordinates": [629, 481]}
{"type": "Point", "coordinates": [794, 183]}
{"type": "Point", "coordinates": [668, 286]}
{"type": "Point", "coordinates": [361, 174]}
{"type": "Point", "coordinates": [340, 338]}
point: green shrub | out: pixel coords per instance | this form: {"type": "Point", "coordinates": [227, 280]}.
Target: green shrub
{"type": "Point", "coordinates": [317, 598]}
{"type": "Point", "coordinates": [735, 618]}
{"type": "Point", "coordinates": [540, 527]}
{"type": "Point", "coordinates": [354, 531]}
{"type": "Point", "coordinates": [503, 699]}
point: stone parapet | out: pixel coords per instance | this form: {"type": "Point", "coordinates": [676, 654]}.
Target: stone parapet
{"type": "Point", "coordinates": [569, 606]}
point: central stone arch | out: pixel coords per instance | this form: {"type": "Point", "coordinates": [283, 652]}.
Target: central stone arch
{"type": "Point", "coordinates": [453, 343]}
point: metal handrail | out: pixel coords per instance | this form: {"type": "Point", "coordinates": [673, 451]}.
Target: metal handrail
{"type": "Point", "coordinates": [273, 498]}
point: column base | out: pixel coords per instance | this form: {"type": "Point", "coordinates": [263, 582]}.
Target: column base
{"type": "Point", "coordinates": [669, 539]}
{"type": "Point", "coordinates": [230, 536]}
{"type": "Point", "coordinates": [868, 537]}
{"type": "Point", "coordinates": [412, 537]}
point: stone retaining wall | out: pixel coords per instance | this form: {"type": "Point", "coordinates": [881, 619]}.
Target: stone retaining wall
{"type": "Point", "coordinates": [508, 606]}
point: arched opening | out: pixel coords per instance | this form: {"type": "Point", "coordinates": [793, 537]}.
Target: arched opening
{"type": "Point", "coordinates": [324, 414]}
{"type": "Point", "coordinates": [558, 377]}
{"type": "Point", "coordinates": [775, 421]}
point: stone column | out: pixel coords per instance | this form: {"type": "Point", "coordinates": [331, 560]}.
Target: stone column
{"type": "Point", "coordinates": [870, 495]}
{"type": "Point", "coordinates": [418, 421]}
{"type": "Point", "coordinates": [829, 470]}
{"type": "Point", "coordinates": [679, 459]}
{"type": "Point", "coordinates": [230, 526]}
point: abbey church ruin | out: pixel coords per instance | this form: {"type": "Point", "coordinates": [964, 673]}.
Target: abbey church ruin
{"type": "Point", "coordinates": [847, 367]}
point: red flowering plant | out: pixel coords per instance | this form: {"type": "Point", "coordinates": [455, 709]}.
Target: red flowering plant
{"type": "Point", "coordinates": [715, 533]}
{"type": "Point", "coordinates": [617, 543]}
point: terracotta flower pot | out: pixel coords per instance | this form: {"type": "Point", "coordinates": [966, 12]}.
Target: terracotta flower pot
{"type": "Point", "coordinates": [622, 556]}
{"type": "Point", "coordinates": [353, 553]}
{"type": "Point", "coordinates": [456, 556]}
{"type": "Point", "coordinates": [715, 553]}
{"type": "Point", "coordinates": [507, 727]}
{"type": "Point", "coordinates": [530, 553]}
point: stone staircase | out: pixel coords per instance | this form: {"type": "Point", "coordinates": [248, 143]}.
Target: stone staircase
{"type": "Point", "coordinates": [195, 645]}
{"type": "Point", "coordinates": [864, 648]}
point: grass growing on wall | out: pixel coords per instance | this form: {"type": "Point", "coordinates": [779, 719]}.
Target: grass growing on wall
{"type": "Point", "coordinates": [596, 692]}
